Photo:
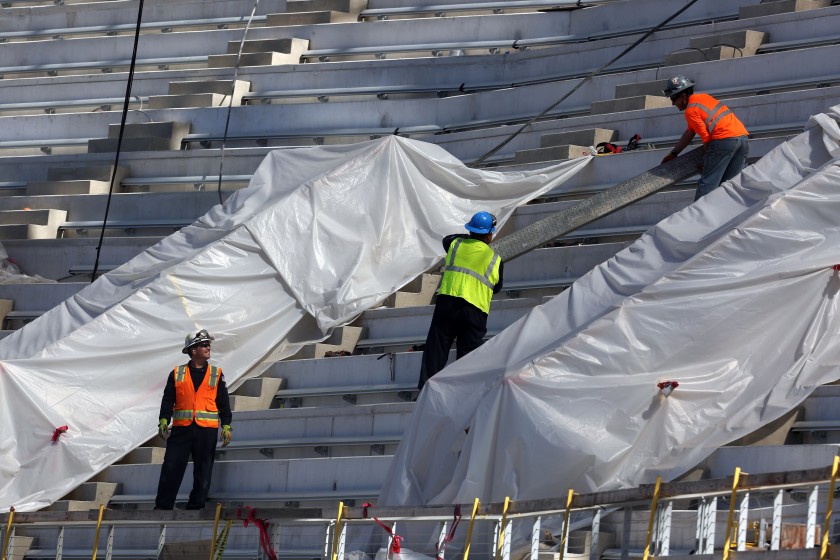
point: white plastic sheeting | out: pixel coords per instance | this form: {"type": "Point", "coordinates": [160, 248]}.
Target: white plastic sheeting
{"type": "Point", "coordinates": [734, 297]}
{"type": "Point", "coordinates": [320, 235]}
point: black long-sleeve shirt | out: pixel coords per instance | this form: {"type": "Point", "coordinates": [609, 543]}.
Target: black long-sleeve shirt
{"type": "Point", "coordinates": [167, 404]}
{"type": "Point", "coordinates": [447, 241]}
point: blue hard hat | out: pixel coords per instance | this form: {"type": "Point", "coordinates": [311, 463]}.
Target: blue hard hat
{"type": "Point", "coordinates": [482, 222]}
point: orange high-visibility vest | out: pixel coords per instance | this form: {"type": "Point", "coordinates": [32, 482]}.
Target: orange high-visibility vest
{"type": "Point", "coordinates": [195, 405]}
{"type": "Point", "coordinates": [711, 119]}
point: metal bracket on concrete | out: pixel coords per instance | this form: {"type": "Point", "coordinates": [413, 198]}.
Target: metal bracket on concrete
{"type": "Point", "coordinates": [597, 206]}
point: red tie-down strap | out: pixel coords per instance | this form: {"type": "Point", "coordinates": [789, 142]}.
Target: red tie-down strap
{"type": "Point", "coordinates": [262, 525]}
{"type": "Point", "coordinates": [57, 433]}
{"type": "Point", "coordinates": [456, 518]}
{"type": "Point", "coordinates": [395, 538]}
{"type": "Point", "coordinates": [836, 268]}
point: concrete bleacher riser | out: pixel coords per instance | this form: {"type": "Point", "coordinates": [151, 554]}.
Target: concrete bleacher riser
{"type": "Point", "coordinates": [265, 477]}
{"type": "Point", "coordinates": [758, 111]}
{"type": "Point", "coordinates": [114, 13]}
{"type": "Point", "coordinates": [460, 71]}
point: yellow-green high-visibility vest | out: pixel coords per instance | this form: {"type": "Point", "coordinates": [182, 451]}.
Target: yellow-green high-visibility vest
{"type": "Point", "coordinates": [471, 272]}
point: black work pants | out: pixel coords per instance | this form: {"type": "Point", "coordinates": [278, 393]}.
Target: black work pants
{"type": "Point", "coordinates": [454, 320]}
{"type": "Point", "coordinates": [183, 442]}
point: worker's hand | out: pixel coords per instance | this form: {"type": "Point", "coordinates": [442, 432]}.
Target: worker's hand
{"type": "Point", "coordinates": [225, 435]}
{"type": "Point", "coordinates": [163, 428]}
{"type": "Point", "coordinates": [669, 157]}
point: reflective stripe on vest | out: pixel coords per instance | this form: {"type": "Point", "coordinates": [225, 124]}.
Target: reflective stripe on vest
{"type": "Point", "coordinates": [186, 412]}
{"type": "Point", "coordinates": [483, 279]}
{"type": "Point", "coordinates": [470, 272]}
{"type": "Point", "coordinates": [712, 120]}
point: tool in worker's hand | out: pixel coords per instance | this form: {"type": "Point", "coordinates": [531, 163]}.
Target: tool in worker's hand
{"type": "Point", "coordinates": [225, 435]}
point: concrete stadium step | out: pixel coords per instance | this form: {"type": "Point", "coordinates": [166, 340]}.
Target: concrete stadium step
{"type": "Point", "coordinates": [40, 297]}
{"type": "Point", "coordinates": [40, 188]}
{"type": "Point", "coordinates": [320, 422]}
{"type": "Point", "coordinates": [31, 224]}
{"type": "Point", "coordinates": [347, 6]}
{"type": "Point", "coordinates": [6, 307]}
{"type": "Point", "coordinates": [552, 153]}
{"type": "Point", "coordinates": [342, 339]}
{"type": "Point", "coordinates": [86, 173]}
{"type": "Point", "coordinates": [255, 394]}
{"type": "Point", "coordinates": [210, 93]}
{"type": "Point", "coordinates": [589, 137]}
{"type": "Point", "coordinates": [360, 370]}
{"type": "Point", "coordinates": [271, 480]}
{"type": "Point", "coordinates": [88, 496]}
{"type": "Point", "coordinates": [419, 291]}
{"type": "Point", "coordinates": [261, 52]}
{"type": "Point", "coordinates": [770, 458]}
{"type": "Point", "coordinates": [71, 14]}
{"type": "Point", "coordinates": [58, 259]}
{"type": "Point", "coordinates": [735, 44]}
{"type": "Point", "coordinates": [308, 18]}
{"type": "Point", "coordinates": [142, 137]}
{"type": "Point", "coordinates": [780, 7]}
{"type": "Point", "coordinates": [636, 103]}
{"type": "Point", "coordinates": [143, 455]}
{"type": "Point", "coordinates": [402, 328]}
{"type": "Point", "coordinates": [317, 432]}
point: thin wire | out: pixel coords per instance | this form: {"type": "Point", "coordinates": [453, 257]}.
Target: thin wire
{"type": "Point", "coordinates": [119, 139]}
{"type": "Point", "coordinates": [578, 86]}
{"type": "Point", "coordinates": [230, 100]}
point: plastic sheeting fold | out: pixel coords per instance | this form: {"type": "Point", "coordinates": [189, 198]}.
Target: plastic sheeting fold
{"type": "Point", "coordinates": [320, 235]}
{"type": "Point", "coordinates": [734, 297]}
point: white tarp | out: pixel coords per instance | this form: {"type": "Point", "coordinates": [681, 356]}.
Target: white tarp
{"type": "Point", "coordinates": [734, 297]}
{"type": "Point", "coordinates": [320, 235]}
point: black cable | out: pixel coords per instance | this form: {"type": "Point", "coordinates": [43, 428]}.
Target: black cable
{"type": "Point", "coordinates": [230, 101]}
{"type": "Point", "coordinates": [578, 86]}
{"type": "Point", "coordinates": [120, 138]}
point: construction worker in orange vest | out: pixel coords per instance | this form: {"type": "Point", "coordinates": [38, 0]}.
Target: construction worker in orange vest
{"type": "Point", "coordinates": [472, 274]}
{"type": "Point", "coordinates": [196, 399]}
{"type": "Point", "coordinates": [724, 136]}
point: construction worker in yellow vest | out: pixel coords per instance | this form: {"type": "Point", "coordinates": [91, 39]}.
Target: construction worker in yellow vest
{"type": "Point", "coordinates": [724, 136]}
{"type": "Point", "coordinates": [196, 399]}
{"type": "Point", "coordinates": [472, 274]}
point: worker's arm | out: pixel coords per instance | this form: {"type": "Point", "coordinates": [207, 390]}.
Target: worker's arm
{"type": "Point", "coordinates": [498, 287]}
{"type": "Point", "coordinates": [684, 141]}
{"type": "Point", "coordinates": [223, 402]}
{"type": "Point", "coordinates": [167, 403]}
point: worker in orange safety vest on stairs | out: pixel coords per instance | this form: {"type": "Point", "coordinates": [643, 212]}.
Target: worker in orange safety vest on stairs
{"type": "Point", "coordinates": [725, 138]}
{"type": "Point", "coordinates": [196, 399]}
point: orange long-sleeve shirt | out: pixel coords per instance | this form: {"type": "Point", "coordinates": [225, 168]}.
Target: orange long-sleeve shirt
{"type": "Point", "coordinates": [711, 119]}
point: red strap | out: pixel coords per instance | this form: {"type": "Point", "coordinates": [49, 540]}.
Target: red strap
{"type": "Point", "coordinates": [395, 538]}
{"type": "Point", "coordinates": [57, 433]}
{"type": "Point", "coordinates": [262, 526]}
{"type": "Point", "coordinates": [836, 267]}
{"type": "Point", "coordinates": [456, 518]}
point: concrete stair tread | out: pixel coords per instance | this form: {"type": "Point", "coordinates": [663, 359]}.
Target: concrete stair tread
{"type": "Point", "coordinates": [780, 7]}
{"type": "Point", "coordinates": [586, 137]}
{"type": "Point", "coordinates": [419, 291]}
{"type": "Point", "coordinates": [78, 186]}
{"type": "Point", "coordinates": [551, 153]}
{"type": "Point", "coordinates": [636, 103]}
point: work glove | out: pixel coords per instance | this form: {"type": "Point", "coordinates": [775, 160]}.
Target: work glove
{"type": "Point", "coordinates": [163, 428]}
{"type": "Point", "coordinates": [669, 157]}
{"type": "Point", "coordinates": [225, 435]}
